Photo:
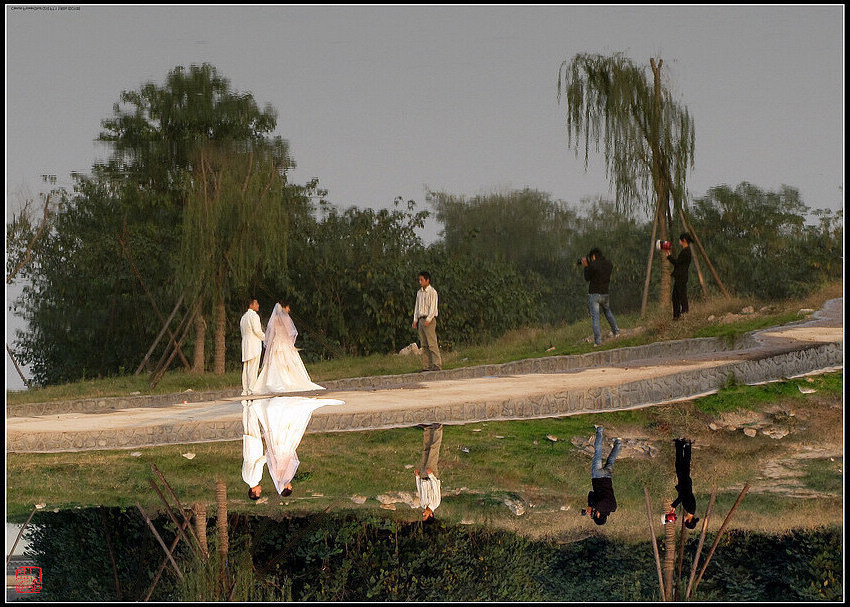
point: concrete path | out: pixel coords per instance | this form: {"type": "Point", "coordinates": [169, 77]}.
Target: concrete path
{"type": "Point", "coordinates": [619, 378]}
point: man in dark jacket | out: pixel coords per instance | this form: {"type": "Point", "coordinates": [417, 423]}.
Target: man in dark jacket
{"type": "Point", "coordinates": [681, 264]}
{"type": "Point", "coordinates": [597, 271]}
{"type": "Point", "coordinates": [685, 488]}
{"type": "Point", "coordinates": [601, 501]}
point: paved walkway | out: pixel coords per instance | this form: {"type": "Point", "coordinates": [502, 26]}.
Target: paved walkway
{"type": "Point", "coordinates": [619, 378]}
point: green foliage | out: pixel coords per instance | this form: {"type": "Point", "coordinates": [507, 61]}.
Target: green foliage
{"type": "Point", "coordinates": [86, 311]}
{"type": "Point", "coordinates": [156, 130]}
{"type": "Point", "coordinates": [71, 548]}
{"type": "Point", "coordinates": [761, 244]}
{"type": "Point", "coordinates": [344, 557]}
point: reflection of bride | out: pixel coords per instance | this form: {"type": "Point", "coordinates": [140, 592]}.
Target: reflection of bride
{"type": "Point", "coordinates": [284, 420]}
{"type": "Point", "coordinates": [282, 369]}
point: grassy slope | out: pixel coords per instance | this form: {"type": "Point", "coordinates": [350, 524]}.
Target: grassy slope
{"type": "Point", "coordinates": [515, 345]}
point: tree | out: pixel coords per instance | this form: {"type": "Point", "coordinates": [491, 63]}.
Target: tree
{"type": "Point", "coordinates": [648, 138]}
{"type": "Point", "coordinates": [87, 310]}
{"type": "Point", "coordinates": [157, 132]}
{"type": "Point", "coordinates": [235, 225]}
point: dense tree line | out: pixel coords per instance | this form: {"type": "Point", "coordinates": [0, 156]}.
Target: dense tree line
{"type": "Point", "coordinates": [348, 557]}
{"type": "Point", "coordinates": [195, 201]}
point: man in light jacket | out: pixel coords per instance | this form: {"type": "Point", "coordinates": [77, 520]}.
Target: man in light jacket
{"type": "Point", "coordinates": [425, 319]}
{"type": "Point", "coordinates": [252, 345]}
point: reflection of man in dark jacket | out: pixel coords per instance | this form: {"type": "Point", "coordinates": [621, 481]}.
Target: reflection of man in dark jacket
{"type": "Point", "coordinates": [681, 264]}
{"type": "Point", "coordinates": [601, 500]}
{"type": "Point", "coordinates": [685, 488]}
{"type": "Point", "coordinates": [597, 271]}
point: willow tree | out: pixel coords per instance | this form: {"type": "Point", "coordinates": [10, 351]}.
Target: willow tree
{"type": "Point", "coordinates": [235, 225]}
{"type": "Point", "coordinates": [647, 138]}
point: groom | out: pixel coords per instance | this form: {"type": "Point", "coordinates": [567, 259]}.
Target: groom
{"type": "Point", "coordinates": [252, 345]}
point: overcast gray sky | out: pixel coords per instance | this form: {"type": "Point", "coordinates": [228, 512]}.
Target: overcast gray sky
{"type": "Point", "coordinates": [379, 102]}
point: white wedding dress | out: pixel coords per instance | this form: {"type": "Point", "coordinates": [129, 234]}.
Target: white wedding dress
{"type": "Point", "coordinates": [283, 420]}
{"type": "Point", "coordinates": [282, 369]}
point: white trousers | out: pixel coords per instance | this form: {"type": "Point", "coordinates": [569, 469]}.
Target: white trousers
{"type": "Point", "coordinates": [250, 370]}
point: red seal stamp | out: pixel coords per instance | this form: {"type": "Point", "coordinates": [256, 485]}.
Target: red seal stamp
{"type": "Point", "coordinates": [28, 579]}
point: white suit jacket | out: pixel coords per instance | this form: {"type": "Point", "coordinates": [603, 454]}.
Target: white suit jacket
{"type": "Point", "coordinates": [252, 335]}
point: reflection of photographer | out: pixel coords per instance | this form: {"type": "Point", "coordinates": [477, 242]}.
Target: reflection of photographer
{"type": "Point", "coordinates": [597, 271]}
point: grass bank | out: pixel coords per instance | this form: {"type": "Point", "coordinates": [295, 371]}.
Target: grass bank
{"type": "Point", "coordinates": [514, 345]}
{"type": "Point", "coordinates": [483, 465]}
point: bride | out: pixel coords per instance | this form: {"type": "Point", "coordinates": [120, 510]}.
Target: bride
{"type": "Point", "coordinates": [282, 369]}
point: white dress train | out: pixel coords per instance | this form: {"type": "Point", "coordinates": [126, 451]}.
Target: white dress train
{"type": "Point", "coordinates": [283, 420]}
{"type": "Point", "coordinates": [283, 370]}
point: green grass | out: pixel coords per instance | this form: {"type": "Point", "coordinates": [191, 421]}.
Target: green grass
{"type": "Point", "coordinates": [824, 475]}
{"type": "Point", "coordinates": [547, 476]}
{"type": "Point", "coordinates": [735, 330]}
{"type": "Point", "coordinates": [739, 396]}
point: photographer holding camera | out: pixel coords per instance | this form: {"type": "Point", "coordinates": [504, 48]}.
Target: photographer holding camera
{"type": "Point", "coordinates": [597, 271]}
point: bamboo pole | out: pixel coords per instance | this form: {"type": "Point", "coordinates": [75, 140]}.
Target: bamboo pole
{"type": "Point", "coordinates": [111, 552]}
{"type": "Point", "coordinates": [179, 506]}
{"type": "Point", "coordinates": [695, 257]}
{"type": "Point", "coordinates": [161, 543]}
{"type": "Point", "coordinates": [124, 246]}
{"type": "Point", "coordinates": [158, 337]}
{"type": "Point", "coordinates": [649, 265]}
{"type": "Point", "coordinates": [17, 368]}
{"type": "Point", "coordinates": [17, 539]}
{"type": "Point", "coordinates": [159, 373]}
{"type": "Point", "coordinates": [701, 541]}
{"type": "Point", "coordinates": [654, 544]}
{"type": "Point", "coordinates": [720, 533]}
{"type": "Point", "coordinates": [171, 515]}
{"type": "Point", "coordinates": [708, 261]}
{"type": "Point", "coordinates": [162, 566]}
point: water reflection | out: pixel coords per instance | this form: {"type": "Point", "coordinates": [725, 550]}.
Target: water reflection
{"type": "Point", "coordinates": [110, 554]}
{"type": "Point", "coordinates": [427, 476]}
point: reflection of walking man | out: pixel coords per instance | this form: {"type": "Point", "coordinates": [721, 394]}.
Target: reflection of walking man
{"type": "Point", "coordinates": [601, 500]}
{"type": "Point", "coordinates": [427, 475]}
{"type": "Point", "coordinates": [425, 319]}
{"type": "Point", "coordinates": [252, 345]}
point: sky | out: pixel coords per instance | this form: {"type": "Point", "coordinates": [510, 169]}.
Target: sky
{"type": "Point", "coordinates": [386, 101]}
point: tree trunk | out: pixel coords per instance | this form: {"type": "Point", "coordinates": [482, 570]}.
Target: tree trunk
{"type": "Point", "coordinates": [660, 177]}
{"type": "Point", "coordinates": [220, 330]}
{"type": "Point", "coordinates": [200, 511]}
{"type": "Point", "coordinates": [200, 338]}
{"type": "Point", "coordinates": [669, 558]}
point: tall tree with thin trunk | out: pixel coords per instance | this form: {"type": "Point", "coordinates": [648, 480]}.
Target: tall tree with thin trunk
{"type": "Point", "coordinates": [235, 226]}
{"type": "Point", "coordinates": [647, 138]}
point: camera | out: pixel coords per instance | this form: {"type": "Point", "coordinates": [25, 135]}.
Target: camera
{"type": "Point", "coordinates": [579, 260]}
{"type": "Point", "coordinates": [663, 245]}
{"type": "Point", "coordinates": [586, 511]}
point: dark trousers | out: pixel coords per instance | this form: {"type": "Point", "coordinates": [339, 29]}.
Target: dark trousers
{"type": "Point", "coordinates": [680, 298]}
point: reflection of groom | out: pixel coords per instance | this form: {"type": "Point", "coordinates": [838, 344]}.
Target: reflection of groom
{"type": "Point", "coordinates": [252, 345]}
